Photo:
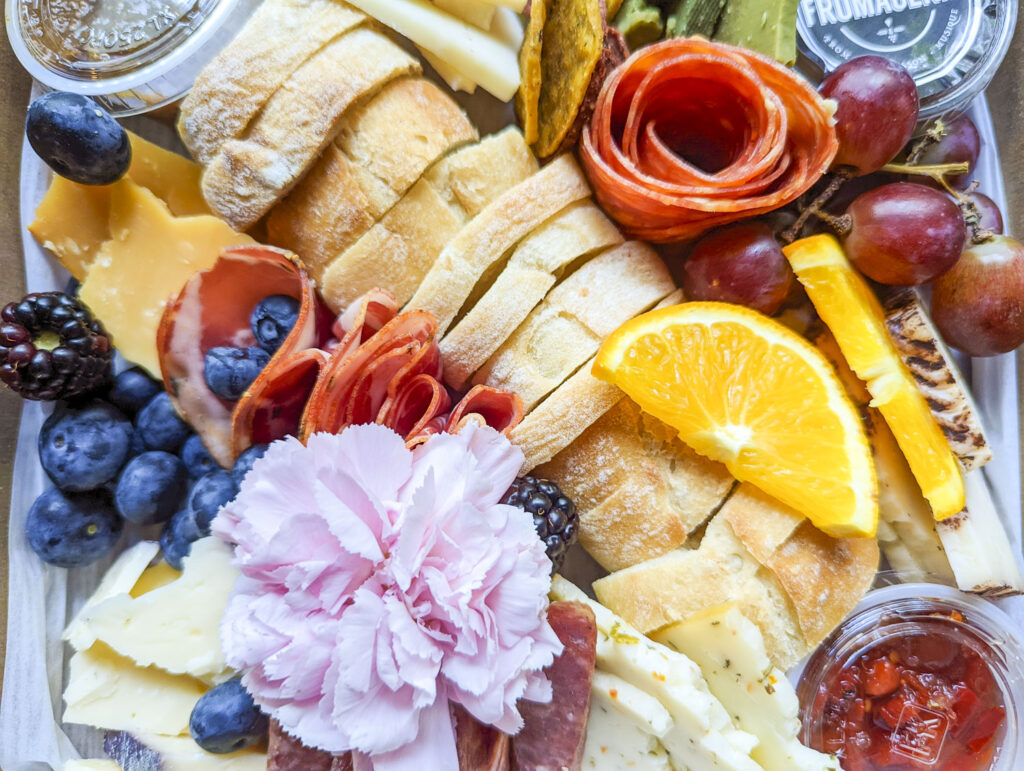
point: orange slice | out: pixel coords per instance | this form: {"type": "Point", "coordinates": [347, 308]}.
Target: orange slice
{"type": "Point", "coordinates": [743, 389]}
{"type": "Point", "coordinates": [849, 308]}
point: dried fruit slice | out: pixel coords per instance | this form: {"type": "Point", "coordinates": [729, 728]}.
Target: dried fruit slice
{"type": "Point", "coordinates": [742, 389]}
{"type": "Point", "coordinates": [850, 309]}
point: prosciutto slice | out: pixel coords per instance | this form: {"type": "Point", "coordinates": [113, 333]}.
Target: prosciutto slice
{"type": "Point", "coordinates": [689, 134]}
{"type": "Point", "coordinates": [213, 309]}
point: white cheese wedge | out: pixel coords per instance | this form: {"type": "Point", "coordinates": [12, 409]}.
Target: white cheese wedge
{"type": "Point", "coordinates": [515, 5]}
{"type": "Point", "coordinates": [476, 12]}
{"type": "Point", "coordinates": [614, 744]}
{"type": "Point", "coordinates": [180, 753]}
{"type": "Point", "coordinates": [730, 651]}
{"type": "Point", "coordinates": [476, 54]}
{"type": "Point", "coordinates": [91, 765]}
{"type": "Point", "coordinates": [632, 704]}
{"type": "Point", "coordinates": [702, 734]}
{"type": "Point", "coordinates": [109, 691]}
{"type": "Point", "coordinates": [507, 26]}
{"type": "Point", "coordinates": [456, 80]}
{"type": "Point", "coordinates": [176, 626]}
{"type": "Point", "coordinates": [119, 579]}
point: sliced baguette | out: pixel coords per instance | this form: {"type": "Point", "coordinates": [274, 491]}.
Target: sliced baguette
{"type": "Point", "coordinates": [567, 328]}
{"type": "Point", "coordinates": [273, 44]}
{"type": "Point", "coordinates": [573, 233]}
{"type": "Point", "coordinates": [639, 490]}
{"type": "Point", "coordinates": [398, 251]}
{"type": "Point", "coordinates": [480, 246]}
{"type": "Point", "coordinates": [248, 175]}
{"type": "Point", "coordinates": [382, 148]}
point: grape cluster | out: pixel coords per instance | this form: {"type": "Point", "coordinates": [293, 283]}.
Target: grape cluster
{"type": "Point", "coordinates": [905, 214]}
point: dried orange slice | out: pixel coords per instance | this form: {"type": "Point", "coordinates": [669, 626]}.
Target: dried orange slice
{"type": "Point", "coordinates": [743, 389]}
{"type": "Point", "coordinates": [849, 308]}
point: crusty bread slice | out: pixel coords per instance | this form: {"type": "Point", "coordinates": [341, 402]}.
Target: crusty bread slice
{"type": "Point", "coordinates": [567, 328]}
{"type": "Point", "coordinates": [382, 148]}
{"type": "Point", "coordinates": [569, 410]}
{"type": "Point", "coordinates": [279, 36]}
{"type": "Point", "coordinates": [676, 585]}
{"type": "Point", "coordinates": [639, 490]}
{"type": "Point", "coordinates": [397, 252]}
{"type": "Point", "coordinates": [575, 232]}
{"type": "Point", "coordinates": [250, 174]}
{"type": "Point", "coordinates": [794, 581]}
{"type": "Point", "coordinates": [480, 246]}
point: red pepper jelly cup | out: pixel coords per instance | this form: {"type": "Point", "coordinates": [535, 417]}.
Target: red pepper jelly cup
{"type": "Point", "coordinates": [919, 676]}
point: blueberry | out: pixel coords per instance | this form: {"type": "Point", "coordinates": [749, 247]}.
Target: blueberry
{"type": "Point", "coordinates": [72, 529]}
{"type": "Point", "coordinates": [272, 319]}
{"type": "Point", "coordinates": [226, 719]}
{"type": "Point", "coordinates": [208, 494]}
{"type": "Point", "coordinates": [177, 537]}
{"type": "Point", "coordinates": [82, 448]}
{"type": "Point", "coordinates": [197, 458]}
{"type": "Point", "coordinates": [78, 139]}
{"type": "Point", "coordinates": [160, 426]}
{"type": "Point", "coordinates": [243, 464]}
{"type": "Point", "coordinates": [151, 487]}
{"type": "Point", "coordinates": [229, 371]}
{"type": "Point", "coordinates": [132, 390]}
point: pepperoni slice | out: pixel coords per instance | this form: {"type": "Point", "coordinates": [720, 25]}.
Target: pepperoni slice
{"type": "Point", "coordinates": [213, 309]}
{"type": "Point", "coordinates": [689, 134]}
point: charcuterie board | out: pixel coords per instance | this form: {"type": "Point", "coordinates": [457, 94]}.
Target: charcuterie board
{"type": "Point", "coordinates": [43, 599]}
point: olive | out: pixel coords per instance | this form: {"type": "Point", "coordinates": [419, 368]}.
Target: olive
{"type": "Point", "coordinates": [78, 139]}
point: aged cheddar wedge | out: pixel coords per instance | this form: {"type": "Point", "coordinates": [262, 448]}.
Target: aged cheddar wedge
{"type": "Point", "coordinates": [109, 691]}
{"type": "Point", "coordinates": [72, 220]}
{"type": "Point", "coordinates": [176, 626]}
{"type": "Point", "coordinates": [147, 260]}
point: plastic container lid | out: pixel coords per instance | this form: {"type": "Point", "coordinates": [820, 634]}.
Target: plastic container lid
{"type": "Point", "coordinates": [952, 48]}
{"type": "Point", "coordinates": [131, 56]}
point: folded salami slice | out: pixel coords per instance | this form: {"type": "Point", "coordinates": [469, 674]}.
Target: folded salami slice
{"type": "Point", "coordinates": [501, 410]}
{"type": "Point", "coordinates": [689, 134]}
{"type": "Point", "coordinates": [554, 733]}
{"type": "Point", "coordinates": [213, 309]}
{"type": "Point", "coordinates": [416, 408]}
{"type": "Point", "coordinates": [362, 319]}
{"type": "Point", "coordinates": [480, 747]}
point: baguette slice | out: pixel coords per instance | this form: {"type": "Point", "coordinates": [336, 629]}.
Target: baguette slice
{"type": "Point", "coordinates": [247, 176]}
{"type": "Point", "coordinates": [567, 328]}
{"type": "Point", "coordinates": [577, 231]}
{"type": "Point", "coordinates": [938, 377]}
{"type": "Point", "coordinates": [480, 246]}
{"type": "Point", "coordinates": [382, 148]}
{"type": "Point", "coordinates": [639, 490]}
{"type": "Point", "coordinates": [569, 410]}
{"type": "Point", "coordinates": [397, 252]}
{"type": "Point", "coordinates": [273, 44]}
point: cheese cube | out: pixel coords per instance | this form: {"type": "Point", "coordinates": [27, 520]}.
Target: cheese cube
{"type": "Point", "coordinates": [730, 651]}
{"type": "Point", "coordinates": [177, 626]}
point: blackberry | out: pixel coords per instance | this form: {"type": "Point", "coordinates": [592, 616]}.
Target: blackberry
{"type": "Point", "coordinates": [554, 515]}
{"type": "Point", "coordinates": [51, 347]}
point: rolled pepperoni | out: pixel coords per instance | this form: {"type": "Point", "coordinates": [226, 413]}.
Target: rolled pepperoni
{"type": "Point", "coordinates": [690, 134]}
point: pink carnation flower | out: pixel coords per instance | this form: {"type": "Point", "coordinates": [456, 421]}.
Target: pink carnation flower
{"type": "Point", "coordinates": [379, 583]}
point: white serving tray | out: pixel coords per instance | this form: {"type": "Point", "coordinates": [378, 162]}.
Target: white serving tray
{"type": "Point", "coordinates": [42, 598]}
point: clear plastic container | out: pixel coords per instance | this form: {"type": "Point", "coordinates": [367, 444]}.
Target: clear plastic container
{"type": "Point", "coordinates": [893, 613]}
{"type": "Point", "coordinates": [131, 56]}
{"type": "Point", "coordinates": [952, 48]}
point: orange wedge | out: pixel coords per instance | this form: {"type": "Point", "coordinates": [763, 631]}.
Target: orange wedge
{"type": "Point", "coordinates": [743, 389]}
{"type": "Point", "coordinates": [851, 311]}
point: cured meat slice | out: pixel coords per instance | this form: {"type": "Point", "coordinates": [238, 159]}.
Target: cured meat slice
{"type": "Point", "coordinates": [286, 753]}
{"type": "Point", "coordinates": [480, 747]}
{"type": "Point", "coordinates": [418, 409]}
{"type": "Point", "coordinates": [501, 410]}
{"type": "Point", "coordinates": [363, 318]}
{"type": "Point", "coordinates": [689, 134]}
{"type": "Point", "coordinates": [329, 402]}
{"type": "Point", "coordinates": [554, 733]}
{"type": "Point", "coordinates": [213, 309]}
{"type": "Point", "coordinates": [273, 406]}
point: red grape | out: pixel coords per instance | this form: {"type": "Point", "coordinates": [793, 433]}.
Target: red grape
{"type": "Point", "coordinates": [960, 144]}
{"type": "Point", "coordinates": [978, 305]}
{"type": "Point", "coordinates": [904, 234]}
{"type": "Point", "coordinates": [991, 217]}
{"type": "Point", "coordinates": [876, 114]}
{"type": "Point", "coordinates": [741, 264]}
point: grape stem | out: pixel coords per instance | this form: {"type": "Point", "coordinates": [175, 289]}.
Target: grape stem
{"type": "Point", "coordinates": [936, 171]}
{"type": "Point", "coordinates": [839, 178]}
